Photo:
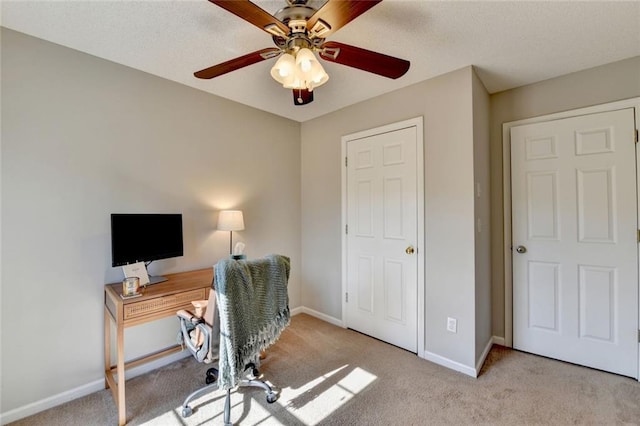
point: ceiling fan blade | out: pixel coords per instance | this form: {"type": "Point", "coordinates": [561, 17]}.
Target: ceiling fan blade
{"type": "Point", "coordinates": [254, 15]}
{"type": "Point", "coordinates": [237, 63]}
{"type": "Point", "coordinates": [337, 13]}
{"type": "Point", "coordinates": [366, 60]}
{"type": "Point", "coordinates": [302, 96]}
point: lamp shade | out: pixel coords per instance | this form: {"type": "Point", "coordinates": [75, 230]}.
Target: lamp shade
{"type": "Point", "coordinates": [230, 220]}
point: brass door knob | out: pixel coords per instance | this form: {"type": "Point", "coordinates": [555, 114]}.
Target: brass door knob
{"type": "Point", "coordinates": [409, 250]}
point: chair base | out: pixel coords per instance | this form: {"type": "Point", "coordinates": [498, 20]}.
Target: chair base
{"type": "Point", "coordinates": [271, 396]}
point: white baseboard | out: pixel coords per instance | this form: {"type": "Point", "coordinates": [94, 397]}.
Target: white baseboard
{"type": "Point", "coordinates": [296, 311]}
{"type": "Point", "coordinates": [319, 315]}
{"type": "Point", "coordinates": [483, 356]}
{"type": "Point", "coordinates": [498, 340]}
{"type": "Point", "coordinates": [52, 401]}
{"type": "Point", "coordinates": [84, 390]}
{"type": "Point", "coordinates": [453, 365]}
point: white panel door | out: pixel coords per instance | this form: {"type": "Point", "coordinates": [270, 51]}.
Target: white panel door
{"type": "Point", "coordinates": [575, 240]}
{"type": "Point", "coordinates": [382, 229]}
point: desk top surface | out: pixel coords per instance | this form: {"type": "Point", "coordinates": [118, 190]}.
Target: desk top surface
{"type": "Point", "coordinates": [176, 283]}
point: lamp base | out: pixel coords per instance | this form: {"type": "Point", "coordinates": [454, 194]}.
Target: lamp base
{"type": "Point", "coordinates": [238, 256]}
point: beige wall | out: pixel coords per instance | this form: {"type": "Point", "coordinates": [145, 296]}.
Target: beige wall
{"type": "Point", "coordinates": [607, 83]}
{"type": "Point", "coordinates": [446, 104]}
{"type": "Point", "coordinates": [481, 169]}
{"type": "Point", "coordinates": [84, 137]}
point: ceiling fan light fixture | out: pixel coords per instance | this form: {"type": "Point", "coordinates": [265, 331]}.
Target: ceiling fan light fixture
{"type": "Point", "coordinates": [300, 80]}
{"type": "Point", "coordinates": [299, 72]}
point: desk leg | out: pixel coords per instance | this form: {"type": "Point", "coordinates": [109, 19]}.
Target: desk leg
{"type": "Point", "coordinates": [122, 410]}
{"type": "Point", "coordinates": [107, 345]}
{"type": "Point", "coordinates": [117, 388]}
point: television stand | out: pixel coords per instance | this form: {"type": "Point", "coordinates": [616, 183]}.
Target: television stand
{"type": "Point", "coordinates": [156, 279]}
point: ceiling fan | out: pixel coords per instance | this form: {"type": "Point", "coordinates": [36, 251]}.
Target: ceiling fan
{"type": "Point", "coordinates": [298, 30]}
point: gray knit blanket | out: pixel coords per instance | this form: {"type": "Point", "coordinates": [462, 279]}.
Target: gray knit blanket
{"type": "Point", "coordinates": [253, 305]}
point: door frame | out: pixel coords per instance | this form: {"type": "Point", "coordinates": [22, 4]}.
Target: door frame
{"type": "Point", "coordinates": [416, 122]}
{"type": "Point", "coordinates": [506, 186]}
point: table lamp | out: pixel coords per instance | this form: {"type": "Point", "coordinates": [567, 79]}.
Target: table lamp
{"type": "Point", "coordinates": [230, 220]}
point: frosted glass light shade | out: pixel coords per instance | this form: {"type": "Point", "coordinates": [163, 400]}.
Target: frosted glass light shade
{"type": "Point", "coordinates": [283, 68]}
{"type": "Point", "coordinates": [230, 220]}
{"type": "Point", "coordinates": [318, 76]}
{"type": "Point", "coordinates": [305, 60]}
{"type": "Point", "coordinates": [293, 82]}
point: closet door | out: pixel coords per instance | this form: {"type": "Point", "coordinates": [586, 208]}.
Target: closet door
{"type": "Point", "coordinates": [382, 280]}
{"type": "Point", "coordinates": [575, 240]}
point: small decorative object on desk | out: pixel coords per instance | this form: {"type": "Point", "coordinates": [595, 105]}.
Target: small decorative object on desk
{"type": "Point", "coordinates": [137, 270]}
{"type": "Point", "coordinates": [238, 251]}
{"type": "Point", "coordinates": [131, 287]}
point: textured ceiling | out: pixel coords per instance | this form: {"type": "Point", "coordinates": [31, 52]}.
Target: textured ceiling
{"type": "Point", "coordinates": [511, 43]}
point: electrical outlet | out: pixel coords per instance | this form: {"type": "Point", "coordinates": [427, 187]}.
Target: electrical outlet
{"type": "Point", "coordinates": [452, 325]}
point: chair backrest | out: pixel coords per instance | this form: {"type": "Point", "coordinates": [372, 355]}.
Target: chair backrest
{"type": "Point", "coordinates": [253, 306]}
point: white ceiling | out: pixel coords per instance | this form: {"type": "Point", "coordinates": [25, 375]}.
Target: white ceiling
{"type": "Point", "coordinates": [511, 43]}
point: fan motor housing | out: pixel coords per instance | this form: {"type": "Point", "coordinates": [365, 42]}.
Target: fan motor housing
{"type": "Point", "coordinates": [298, 37]}
{"type": "Point", "coordinates": [296, 12]}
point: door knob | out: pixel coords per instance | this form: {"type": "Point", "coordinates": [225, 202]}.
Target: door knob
{"type": "Point", "coordinates": [521, 249]}
{"type": "Point", "coordinates": [409, 250]}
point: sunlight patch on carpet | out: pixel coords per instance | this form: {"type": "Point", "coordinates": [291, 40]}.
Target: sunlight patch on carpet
{"type": "Point", "coordinates": [317, 399]}
{"type": "Point", "coordinates": [308, 402]}
{"type": "Point", "coordinates": [207, 411]}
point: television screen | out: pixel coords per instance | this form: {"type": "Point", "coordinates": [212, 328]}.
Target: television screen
{"type": "Point", "coordinates": [145, 237]}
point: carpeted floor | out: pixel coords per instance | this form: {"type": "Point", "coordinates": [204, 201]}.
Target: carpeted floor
{"type": "Point", "coordinates": [330, 376]}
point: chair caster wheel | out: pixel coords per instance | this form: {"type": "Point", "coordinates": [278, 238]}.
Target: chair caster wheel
{"type": "Point", "coordinates": [271, 397]}
{"type": "Point", "coordinates": [211, 377]}
{"type": "Point", "coordinates": [187, 411]}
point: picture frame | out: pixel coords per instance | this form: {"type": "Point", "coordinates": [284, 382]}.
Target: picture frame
{"type": "Point", "coordinates": [136, 270]}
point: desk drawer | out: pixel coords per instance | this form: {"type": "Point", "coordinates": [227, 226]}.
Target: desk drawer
{"type": "Point", "coordinates": [160, 304]}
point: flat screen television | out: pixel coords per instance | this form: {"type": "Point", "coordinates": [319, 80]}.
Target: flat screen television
{"type": "Point", "coordinates": [145, 237]}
